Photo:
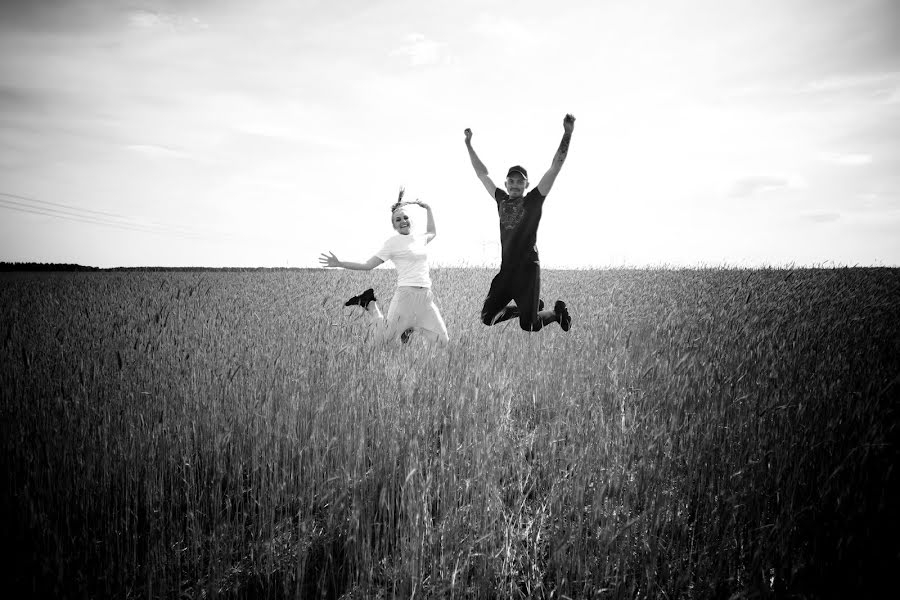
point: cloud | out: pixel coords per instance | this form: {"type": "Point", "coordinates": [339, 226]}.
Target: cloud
{"type": "Point", "coordinates": [523, 39]}
{"type": "Point", "coordinates": [878, 87]}
{"type": "Point", "coordinates": [876, 80]}
{"type": "Point", "coordinates": [872, 88]}
{"type": "Point", "coordinates": [144, 19]}
{"type": "Point", "coordinates": [877, 202]}
{"type": "Point", "coordinates": [18, 98]}
{"type": "Point", "coordinates": [499, 27]}
{"type": "Point", "coordinates": [894, 96]}
{"type": "Point", "coordinates": [152, 20]}
{"type": "Point", "coordinates": [850, 159]}
{"type": "Point", "coordinates": [758, 184]}
{"type": "Point", "coordinates": [822, 217]}
{"type": "Point", "coordinates": [422, 51]}
{"type": "Point", "coordinates": [155, 151]}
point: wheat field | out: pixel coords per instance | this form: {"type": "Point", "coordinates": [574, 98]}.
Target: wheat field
{"type": "Point", "coordinates": [702, 433]}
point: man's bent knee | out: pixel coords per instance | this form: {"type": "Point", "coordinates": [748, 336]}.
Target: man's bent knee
{"type": "Point", "coordinates": [535, 325]}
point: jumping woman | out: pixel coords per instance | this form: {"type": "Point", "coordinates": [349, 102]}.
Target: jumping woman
{"type": "Point", "coordinates": [412, 307]}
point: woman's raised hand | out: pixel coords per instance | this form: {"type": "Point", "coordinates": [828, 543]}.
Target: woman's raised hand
{"type": "Point", "coordinates": [329, 260]}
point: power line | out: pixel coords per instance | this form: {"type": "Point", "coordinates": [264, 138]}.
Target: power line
{"type": "Point", "coordinates": [83, 214]}
{"type": "Point", "coordinates": [66, 206]}
{"type": "Point", "coordinates": [68, 212]}
{"type": "Point", "coordinates": [49, 212]}
{"type": "Point", "coordinates": [69, 216]}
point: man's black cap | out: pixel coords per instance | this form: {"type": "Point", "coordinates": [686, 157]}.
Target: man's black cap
{"type": "Point", "coordinates": [517, 169]}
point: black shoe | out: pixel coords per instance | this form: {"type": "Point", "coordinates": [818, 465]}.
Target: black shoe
{"type": "Point", "coordinates": [404, 337]}
{"type": "Point", "coordinates": [363, 299]}
{"type": "Point", "coordinates": [562, 315]}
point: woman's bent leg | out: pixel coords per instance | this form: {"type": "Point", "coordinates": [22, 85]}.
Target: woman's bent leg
{"type": "Point", "coordinates": [430, 320]}
{"type": "Point", "coordinates": [399, 317]}
{"type": "Point", "coordinates": [380, 325]}
{"type": "Point", "coordinates": [374, 313]}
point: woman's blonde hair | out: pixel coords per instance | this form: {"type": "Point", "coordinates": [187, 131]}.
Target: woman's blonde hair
{"type": "Point", "coordinates": [399, 201]}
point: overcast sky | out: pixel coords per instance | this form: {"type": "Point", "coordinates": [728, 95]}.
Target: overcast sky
{"type": "Point", "coordinates": [234, 133]}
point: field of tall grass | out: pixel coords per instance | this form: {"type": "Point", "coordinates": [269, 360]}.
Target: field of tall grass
{"type": "Point", "coordinates": [706, 433]}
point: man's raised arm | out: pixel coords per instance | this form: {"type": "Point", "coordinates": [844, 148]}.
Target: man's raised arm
{"type": "Point", "coordinates": [559, 158]}
{"type": "Point", "coordinates": [480, 169]}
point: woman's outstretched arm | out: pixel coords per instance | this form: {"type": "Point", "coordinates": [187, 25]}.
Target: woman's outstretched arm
{"type": "Point", "coordinates": [330, 260]}
{"type": "Point", "coordinates": [430, 230]}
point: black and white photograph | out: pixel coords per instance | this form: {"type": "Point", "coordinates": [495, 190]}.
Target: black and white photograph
{"type": "Point", "coordinates": [489, 299]}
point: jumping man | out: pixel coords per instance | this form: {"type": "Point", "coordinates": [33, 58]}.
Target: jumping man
{"type": "Point", "coordinates": [519, 278]}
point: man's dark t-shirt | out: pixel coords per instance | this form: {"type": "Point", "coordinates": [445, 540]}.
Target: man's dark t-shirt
{"type": "Point", "coordinates": [519, 220]}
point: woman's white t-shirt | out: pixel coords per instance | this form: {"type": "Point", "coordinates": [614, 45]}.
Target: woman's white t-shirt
{"type": "Point", "coordinates": [410, 257]}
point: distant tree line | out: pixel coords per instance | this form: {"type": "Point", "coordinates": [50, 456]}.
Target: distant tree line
{"type": "Point", "coordinates": [32, 266]}
{"type": "Point", "coordinates": [235, 269]}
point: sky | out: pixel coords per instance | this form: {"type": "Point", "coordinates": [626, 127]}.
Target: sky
{"type": "Point", "coordinates": [261, 134]}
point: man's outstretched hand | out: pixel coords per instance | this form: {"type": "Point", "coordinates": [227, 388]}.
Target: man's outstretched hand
{"type": "Point", "coordinates": [468, 133]}
{"type": "Point", "coordinates": [568, 123]}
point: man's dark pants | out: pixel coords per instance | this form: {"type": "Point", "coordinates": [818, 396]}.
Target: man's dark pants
{"type": "Point", "coordinates": [522, 283]}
